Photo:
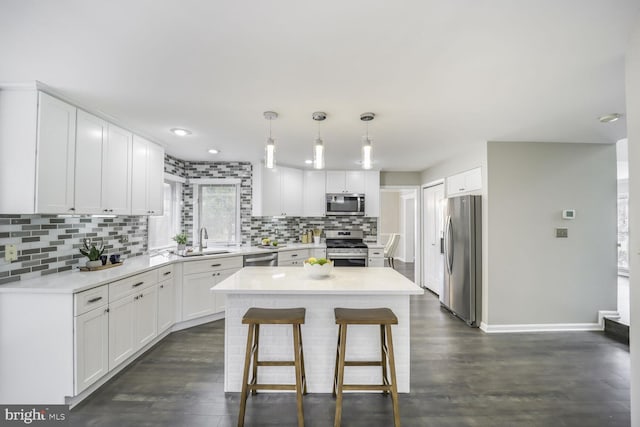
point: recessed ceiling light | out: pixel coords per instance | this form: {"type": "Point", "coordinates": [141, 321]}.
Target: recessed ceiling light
{"type": "Point", "coordinates": [308, 161]}
{"type": "Point", "coordinates": [180, 131]}
{"type": "Point", "coordinates": [610, 118]}
{"type": "Point", "coordinates": [214, 151]}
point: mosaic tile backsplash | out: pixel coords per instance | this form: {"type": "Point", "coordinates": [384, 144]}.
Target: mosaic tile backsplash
{"type": "Point", "coordinates": [47, 244]}
{"type": "Point", "coordinates": [290, 229]}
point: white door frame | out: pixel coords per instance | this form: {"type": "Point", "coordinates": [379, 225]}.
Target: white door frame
{"type": "Point", "coordinates": [417, 238]}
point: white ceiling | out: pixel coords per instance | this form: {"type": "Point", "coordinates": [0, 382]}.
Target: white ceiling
{"type": "Point", "coordinates": [442, 76]}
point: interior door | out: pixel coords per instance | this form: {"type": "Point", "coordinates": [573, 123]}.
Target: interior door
{"type": "Point", "coordinates": [433, 259]}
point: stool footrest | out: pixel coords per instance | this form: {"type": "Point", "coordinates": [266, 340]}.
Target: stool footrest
{"type": "Point", "coordinates": [271, 387]}
{"type": "Point", "coordinates": [363, 363]}
{"type": "Point", "coordinates": [275, 363]}
{"type": "Point", "coordinates": [355, 387]}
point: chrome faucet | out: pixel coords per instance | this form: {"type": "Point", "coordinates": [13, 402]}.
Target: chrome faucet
{"type": "Point", "coordinates": [206, 236]}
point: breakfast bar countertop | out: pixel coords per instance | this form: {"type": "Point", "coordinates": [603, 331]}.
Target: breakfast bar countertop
{"type": "Point", "coordinates": [294, 280]}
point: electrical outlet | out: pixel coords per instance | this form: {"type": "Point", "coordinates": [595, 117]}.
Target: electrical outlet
{"type": "Point", "coordinates": [124, 238]}
{"type": "Point", "coordinates": [562, 232]}
{"type": "Point", "coordinates": [10, 253]}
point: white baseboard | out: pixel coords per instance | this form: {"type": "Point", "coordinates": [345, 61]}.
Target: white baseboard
{"type": "Point", "coordinates": [195, 322]}
{"type": "Point", "coordinates": [546, 327]}
{"type": "Point", "coordinates": [611, 314]}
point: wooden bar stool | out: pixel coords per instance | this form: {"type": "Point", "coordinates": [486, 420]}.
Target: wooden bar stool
{"type": "Point", "coordinates": [255, 317]}
{"type": "Point", "coordinates": [367, 316]}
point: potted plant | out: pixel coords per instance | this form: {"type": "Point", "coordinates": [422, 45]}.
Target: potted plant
{"type": "Point", "coordinates": [93, 253]}
{"type": "Point", "coordinates": [181, 240]}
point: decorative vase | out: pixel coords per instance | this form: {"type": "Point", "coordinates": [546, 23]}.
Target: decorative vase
{"type": "Point", "coordinates": [181, 247]}
{"type": "Point", "coordinates": [316, 240]}
{"type": "Point", "coordinates": [93, 264]}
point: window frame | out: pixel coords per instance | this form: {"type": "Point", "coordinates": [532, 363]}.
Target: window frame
{"type": "Point", "coordinates": [176, 183]}
{"type": "Point", "coordinates": [195, 184]}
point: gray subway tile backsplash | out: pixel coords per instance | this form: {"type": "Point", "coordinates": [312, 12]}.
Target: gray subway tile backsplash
{"type": "Point", "coordinates": [48, 244]}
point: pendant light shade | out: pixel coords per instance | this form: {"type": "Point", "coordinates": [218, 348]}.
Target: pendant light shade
{"type": "Point", "coordinates": [318, 154]}
{"type": "Point", "coordinates": [270, 148]}
{"type": "Point", "coordinates": [367, 149]}
{"type": "Point", "coordinates": [318, 145]}
{"type": "Point", "coordinates": [366, 153]}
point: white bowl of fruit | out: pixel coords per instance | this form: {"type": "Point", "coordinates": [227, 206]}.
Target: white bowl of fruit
{"type": "Point", "coordinates": [317, 268]}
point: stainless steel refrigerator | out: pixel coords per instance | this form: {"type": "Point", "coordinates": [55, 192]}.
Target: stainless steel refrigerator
{"type": "Point", "coordinates": [462, 290]}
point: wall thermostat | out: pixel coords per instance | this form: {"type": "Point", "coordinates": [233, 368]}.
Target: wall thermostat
{"type": "Point", "coordinates": [568, 214]}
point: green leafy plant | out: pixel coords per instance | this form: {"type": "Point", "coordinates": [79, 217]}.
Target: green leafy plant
{"type": "Point", "coordinates": [181, 238]}
{"type": "Point", "coordinates": [91, 251]}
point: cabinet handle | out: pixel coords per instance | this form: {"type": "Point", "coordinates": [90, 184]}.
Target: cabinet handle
{"type": "Point", "coordinates": [137, 284]}
{"type": "Point", "coordinates": [167, 273]}
{"type": "Point", "coordinates": [141, 295]}
{"type": "Point", "coordinates": [460, 189]}
{"type": "Point", "coordinates": [161, 286]}
{"type": "Point", "coordinates": [106, 310]}
{"type": "Point", "coordinates": [136, 297]}
{"type": "Point", "coordinates": [72, 209]}
{"type": "Point", "coordinates": [105, 210]}
{"type": "Point", "coordinates": [216, 265]}
{"type": "Point", "coordinates": [94, 299]}
{"type": "Point", "coordinates": [294, 255]}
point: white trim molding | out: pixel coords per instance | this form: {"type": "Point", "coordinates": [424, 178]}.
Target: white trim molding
{"type": "Point", "coordinates": [215, 181]}
{"type": "Point", "coordinates": [545, 327]}
{"type": "Point", "coordinates": [611, 314]}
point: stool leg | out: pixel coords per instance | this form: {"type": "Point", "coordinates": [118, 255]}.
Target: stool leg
{"type": "Point", "coordinates": [383, 358]}
{"type": "Point", "coordinates": [394, 384]}
{"type": "Point", "coordinates": [343, 344]}
{"type": "Point", "coordinates": [304, 375]}
{"type": "Point", "coordinates": [245, 375]}
{"type": "Point", "coordinates": [297, 357]}
{"type": "Point", "coordinates": [256, 340]}
{"type": "Point", "coordinates": [335, 370]}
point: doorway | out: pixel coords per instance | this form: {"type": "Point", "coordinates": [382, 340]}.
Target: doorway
{"type": "Point", "coordinates": [399, 215]}
{"type": "Point", "coordinates": [432, 235]}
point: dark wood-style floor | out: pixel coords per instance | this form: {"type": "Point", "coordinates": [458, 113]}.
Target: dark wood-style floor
{"type": "Point", "coordinates": [459, 377]}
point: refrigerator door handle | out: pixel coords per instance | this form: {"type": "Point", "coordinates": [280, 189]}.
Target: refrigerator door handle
{"type": "Point", "coordinates": [449, 251]}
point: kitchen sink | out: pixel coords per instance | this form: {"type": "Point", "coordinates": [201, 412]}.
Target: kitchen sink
{"type": "Point", "coordinates": [204, 252]}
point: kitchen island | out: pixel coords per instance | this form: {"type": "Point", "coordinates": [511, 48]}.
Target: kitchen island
{"type": "Point", "coordinates": [288, 287]}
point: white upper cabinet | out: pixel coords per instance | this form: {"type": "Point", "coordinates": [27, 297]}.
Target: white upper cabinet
{"type": "Point", "coordinates": [372, 193]}
{"type": "Point", "coordinates": [147, 177]}
{"type": "Point", "coordinates": [346, 182]}
{"type": "Point", "coordinates": [116, 171]}
{"type": "Point", "coordinates": [281, 192]}
{"type": "Point", "coordinates": [91, 136]}
{"type": "Point", "coordinates": [58, 159]}
{"type": "Point", "coordinates": [313, 193]}
{"type": "Point", "coordinates": [55, 156]}
{"type": "Point", "coordinates": [464, 182]}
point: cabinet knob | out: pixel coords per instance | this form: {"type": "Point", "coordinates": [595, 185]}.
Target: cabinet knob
{"type": "Point", "coordinates": [72, 209]}
{"type": "Point", "coordinates": [161, 286]}
{"type": "Point", "coordinates": [141, 295]}
{"type": "Point", "coordinates": [106, 310]}
{"type": "Point", "coordinates": [105, 210]}
{"type": "Point", "coordinates": [136, 297]}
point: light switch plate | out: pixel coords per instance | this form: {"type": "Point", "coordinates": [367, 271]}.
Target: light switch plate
{"type": "Point", "coordinates": [10, 253]}
{"type": "Point", "coordinates": [562, 232]}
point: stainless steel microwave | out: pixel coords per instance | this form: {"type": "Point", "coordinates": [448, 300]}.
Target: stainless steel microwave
{"type": "Point", "coordinates": [345, 204]}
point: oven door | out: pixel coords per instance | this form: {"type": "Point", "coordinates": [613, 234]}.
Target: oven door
{"type": "Point", "coordinates": [349, 262]}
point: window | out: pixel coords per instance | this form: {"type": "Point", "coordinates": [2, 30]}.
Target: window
{"type": "Point", "coordinates": [163, 227]}
{"type": "Point", "coordinates": [219, 210]}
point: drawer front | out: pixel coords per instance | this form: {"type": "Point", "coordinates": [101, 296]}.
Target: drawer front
{"type": "Point", "coordinates": [166, 272]}
{"type": "Point", "coordinates": [132, 284]}
{"type": "Point", "coordinates": [93, 298]}
{"type": "Point", "coordinates": [285, 256]}
{"type": "Point", "coordinates": [291, 263]}
{"type": "Point", "coordinates": [205, 265]}
{"type": "Point", "coordinates": [376, 253]}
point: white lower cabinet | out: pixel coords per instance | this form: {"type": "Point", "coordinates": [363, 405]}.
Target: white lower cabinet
{"type": "Point", "coordinates": [92, 347]}
{"type": "Point", "coordinates": [198, 279]}
{"type": "Point", "coordinates": [292, 258]}
{"type": "Point", "coordinates": [121, 332]}
{"type": "Point", "coordinates": [376, 257]}
{"type": "Point", "coordinates": [146, 316]}
{"type": "Point", "coordinates": [166, 305]}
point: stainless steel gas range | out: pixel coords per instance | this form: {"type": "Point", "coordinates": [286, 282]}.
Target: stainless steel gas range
{"type": "Point", "coordinates": [346, 248]}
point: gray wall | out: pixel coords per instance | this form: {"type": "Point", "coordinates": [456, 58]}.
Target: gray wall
{"type": "Point", "coordinates": [533, 277]}
{"type": "Point", "coordinates": [399, 178]}
{"type": "Point", "coordinates": [633, 128]}
{"type": "Point", "coordinates": [389, 212]}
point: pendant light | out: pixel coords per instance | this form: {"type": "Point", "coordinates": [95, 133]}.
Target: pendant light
{"type": "Point", "coordinates": [318, 145]}
{"type": "Point", "coordinates": [270, 148]}
{"type": "Point", "coordinates": [366, 141]}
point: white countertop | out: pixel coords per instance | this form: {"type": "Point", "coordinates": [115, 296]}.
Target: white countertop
{"type": "Point", "coordinates": [294, 280]}
{"type": "Point", "coordinates": [77, 281]}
